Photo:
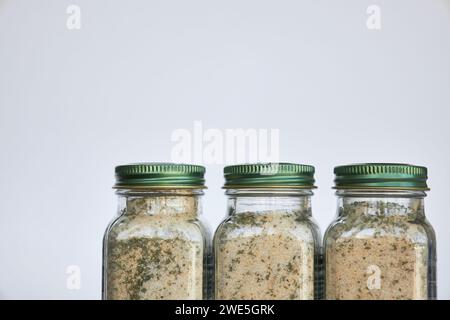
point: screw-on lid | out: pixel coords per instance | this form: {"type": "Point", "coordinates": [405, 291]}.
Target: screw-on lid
{"type": "Point", "coordinates": [381, 175]}
{"type": "Point", "coordinates": [159, 175]}
{"type": "Point", "coordinates": [270, 175]}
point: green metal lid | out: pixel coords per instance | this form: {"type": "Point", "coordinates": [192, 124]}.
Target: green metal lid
{"type": "Point", "coordinates": [159, 175]}
{"type": "Point", "coordinates": [272, 175]}
{"type": "Point", "coordinates": [381, 175]}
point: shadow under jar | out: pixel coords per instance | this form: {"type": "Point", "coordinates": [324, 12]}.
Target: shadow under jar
{"type": "Point", "coordinates": [157, 248]}
{"type": "Point", "coordinates": [268, 246]}
{"type": "Point", "coordinates": [381, 246]}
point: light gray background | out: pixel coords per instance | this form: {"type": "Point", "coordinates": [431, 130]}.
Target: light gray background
{"type": "Point", "coordinates": [73, 104]}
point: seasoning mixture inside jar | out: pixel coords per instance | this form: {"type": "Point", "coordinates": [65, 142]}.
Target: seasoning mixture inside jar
{"type": "Point", "coordinates": [380, 246]}
{"type": "Point", "coordinates": [157, 248]}
{"type": "Point", "coordinates": [268, 246]}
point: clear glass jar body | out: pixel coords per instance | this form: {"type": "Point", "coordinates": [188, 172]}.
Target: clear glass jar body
{"type": "Point", "coordinates": [380, 247]}
{"type": "Point", "coordinates": [268, 246]}
{"type": "Point", "coordinates": [157, 248]}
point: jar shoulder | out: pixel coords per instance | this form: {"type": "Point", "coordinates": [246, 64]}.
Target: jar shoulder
{"type": "Point", "coordinates": [416, 230]}
{"type": "Point", "coordinates": [125, 227]}
{"type": "Point", "coordinates": [298, 227]}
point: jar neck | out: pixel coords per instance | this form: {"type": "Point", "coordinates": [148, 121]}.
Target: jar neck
{"type": "Point", "coordinates": [399, 203]}
{"type": "Point", "coordinates": [180, 203]}
{"type": "Point", "coordinates": [269, 201]}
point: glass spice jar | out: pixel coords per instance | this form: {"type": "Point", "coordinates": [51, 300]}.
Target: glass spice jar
{"type": "Point", "coordinates": [157, 248]}
{"type": "Point", "coordinates": [381, 246]}
{"type": "Point", "coordinates": [268, 245]}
